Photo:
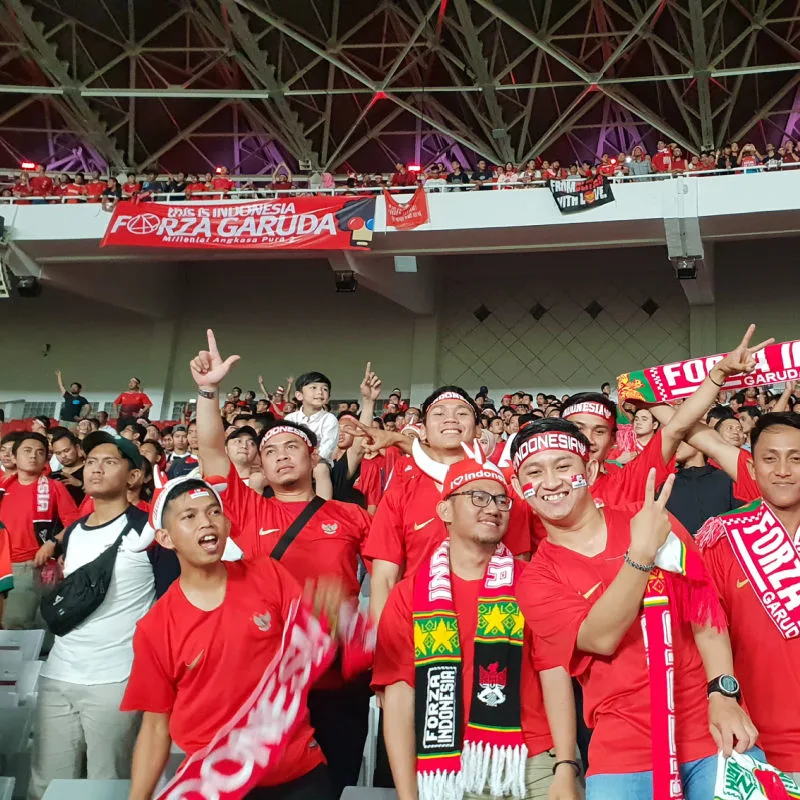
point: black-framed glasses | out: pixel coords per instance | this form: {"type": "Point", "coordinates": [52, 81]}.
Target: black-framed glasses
{"type": "Point", "coordinates": [481, 499]}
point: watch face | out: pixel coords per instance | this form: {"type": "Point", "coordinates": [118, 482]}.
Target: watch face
{"type": "Point", "coordinates": [729, 684]}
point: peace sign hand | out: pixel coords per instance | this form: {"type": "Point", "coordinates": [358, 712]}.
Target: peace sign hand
{"type": "Point", "coordinates": [742, 359]}
{"type": "Point", "coordinates": [371, 385]}
{"type": "Point", "coordinates": [651, 526]}
{"type": "Point", "coordinates": [208, 368]}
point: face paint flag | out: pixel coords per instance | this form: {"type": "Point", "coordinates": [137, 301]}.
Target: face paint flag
{"type": "Point", "coordinates": [776, 363]}
{"type": "Point", "coordinates": [572, 196]}
{"type": "Point", "coordinates": [407, 216]}
{"type": "Point", "coordinates": [291, 223]}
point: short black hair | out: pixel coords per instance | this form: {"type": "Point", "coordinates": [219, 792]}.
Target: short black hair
{"type": "Point", "coordinates": [390, 417]}
{"type": "Point", "coordinates": [717, 414]}
{"type": "Point", "coordinates": [591, 397]}
{"type": "Point", "coordinates": [285, 423]}
{"type": "Point", "coordinates": [237, 389]}
{"type": "Point", "coordinates": [751, 411]}
{"type": "Point", "coordinates": [553, 424]}
{"type": "Point", "coordinates": [137, 428]}
{"type": "Point", "coordinates": [433, 396]}
{"type": "Point", "coordinates": [184, 488]}
{"type": "Point", "coordinates": [37, 437]}
{"type": "Point", "coordinates": [63, 433]}
{"type": "Point", "coordinates": [349, 414]}
{"type": "Point", "coordinates": [167, 431]}
{"type": "Point", "coordinates": [245, 415]}
{"type": "Point", "coordinates": [79, 385]}
{"type": "Point", "coordinates": [159, 448]}
{"type": "Point", "coordinates": [789, 418]}
{"type": "Point", "coordinates": [45, 420]}
{"type": "Point", "coordinates": [603, 385]}
{"type": "Point", "coordinates": [311, 377]}
{"type": "Point", "coordinates": [12, 437]}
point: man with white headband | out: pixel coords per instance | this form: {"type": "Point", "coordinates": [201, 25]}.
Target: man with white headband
{"type": "Point", "coordinates": [328, 543]}
{"type": "Point", "coordinates": [406, 528]}
{"type": "Point", "coordinates": [623, 602]}
{"type": "Point", "coordinates": [205, 658]}
{"type": "Point", "coordinates": [462, 701]}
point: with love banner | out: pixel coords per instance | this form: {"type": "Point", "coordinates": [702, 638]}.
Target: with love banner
{"type": "Point", "coordinates": [571, 196]}
{"type": "Point", "coordinates": [776, 363]}
{"type": "Point", "coordinates": [292, 223]}
{"type": "Point", "coordinates": [407, 216]}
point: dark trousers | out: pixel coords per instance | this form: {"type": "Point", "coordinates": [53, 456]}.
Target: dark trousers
{"type": "Point", "coordinates": [314, 785]}
{"type": "Point", "coordinates": [340, 718]}
{"type": "Point", "coordinates": [584, 734]}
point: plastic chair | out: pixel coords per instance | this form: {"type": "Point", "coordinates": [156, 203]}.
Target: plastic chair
{"type": "Point", "coordinates": [368, 793]}
{"type": "Point", "coordinates": [6, 788]}
{"type": "Point", "coordinates": [29, 642]}
{"type": "Point", "coordinates": [28, 682]}
{"type": "Point", "coordinates": [371, 745]}
{"type": "Point", "coordinates": [80, 790]}
{"type": "Point", "coordinates": [15, 730]}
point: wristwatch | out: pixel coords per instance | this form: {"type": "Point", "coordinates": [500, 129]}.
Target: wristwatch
{"type": "Point", "coordinates": [209, 395]}
{"type": "Point", "coordinates": [727, 686]}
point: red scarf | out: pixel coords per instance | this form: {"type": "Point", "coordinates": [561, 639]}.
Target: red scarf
{"type": "Point", "coordinates": [42, 505]}
{"type": "Point", "coordinates": [767, 555]}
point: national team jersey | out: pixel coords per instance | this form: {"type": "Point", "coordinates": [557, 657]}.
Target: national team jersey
{"type": "Point", "coordinates": [556, 593]}
{"type": "Point", "coordinates": [746, 488]}
{"type": "Point", "coordinates": [406, 528]}
{"type": "Point", "coordinates": [766, 664]}
{"type": "Point", "coordinates": [201, 666]}
{"type": "Point", "coordinates": [394, 655]}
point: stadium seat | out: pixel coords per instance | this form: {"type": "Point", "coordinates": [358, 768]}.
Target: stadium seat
{"type": "Point", "coordinates": [82, 790]}
{"type": "Point", "coordinates": [29, 642]}
{"type": "Point", "coordinates": [28, 681]}
{"type": "Point", "coordinates": [15, 730]}
{"type": "Point", "coordinates": [368, 793]}
{"type": "Point", "coordinates": [6, 788]}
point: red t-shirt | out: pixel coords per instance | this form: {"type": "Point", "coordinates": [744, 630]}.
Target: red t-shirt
{"type": "Point", "coordinates": [94, 189]}
{"type": "Point", "coordinates": [369, 481]}
{"type": "Point", "coordinates": [41, 185]}
{"type": "Point", "coordinates": [607, 169]}
{"type": "Point", "coordinates": [220, 182]}
{"type": "Point", "coordinates": [556, 594]}
{"type": "Point", "coordinates": [131, 188]}
{"type": "Point", "coordinates": [75, 190]}
{"type": "Point", "coordinates": [18, 508]}
{"type": "Point", "coordinates": [661, 161]}
{"type": "Point", "coordinates": [766, 664]}
{"type": "Point", "coordinates": [394, 655]}
{"type": "Point", "coordinates": [745, 489]}
{"type": "Point", "coordinates": [193, 188]}
{"type": "Point", "coordinates": [329, 544]}
{"type": "Point", "coordinates": [201, 666]}
{"type": "Point", "coordinates": [131, 403]}
{"type": "Point", "coordinates": [406, 528]}
{"type": "Point", "coordinates": [679, 164]}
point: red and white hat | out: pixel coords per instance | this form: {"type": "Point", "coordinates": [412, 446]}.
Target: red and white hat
{"type": "Point", "coordinates": [473, 468]}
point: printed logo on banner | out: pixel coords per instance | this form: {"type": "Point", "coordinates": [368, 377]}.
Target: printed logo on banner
{"type": "Point", "coordinates": [571, 196]}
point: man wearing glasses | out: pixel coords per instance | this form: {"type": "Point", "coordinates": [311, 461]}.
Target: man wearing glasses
{"type": "Point", "coordinates": [454, 664]}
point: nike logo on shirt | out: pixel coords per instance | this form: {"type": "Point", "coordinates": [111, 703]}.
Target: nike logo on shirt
{"type": "Point", "coordinates": [740, 584]}
{"type": "Point", "coordinates": [418, 526]}
{"type": "Point", "coordinates": [265, 531]}
{"type": "Point", "coordinates": [196, 660]}
{"type": "Point", "coordinates": [591, 591]}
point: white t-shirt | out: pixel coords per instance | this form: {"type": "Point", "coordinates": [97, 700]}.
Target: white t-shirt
{"type": "Point", "coordinates": [100, 649]}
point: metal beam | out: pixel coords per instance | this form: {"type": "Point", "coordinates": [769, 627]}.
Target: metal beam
{"type": "Point", "coordinates": [702, 73]}
{"type": "Point", "coordinates": [81, 113]}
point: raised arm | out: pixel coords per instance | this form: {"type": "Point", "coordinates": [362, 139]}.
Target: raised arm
{"type": "Point", "coordinates": [60, 380]}
{"type": "Point", "coordinates": [370, 392]}
{"type": "Point", "coordinates": [208, 371]}
{"type": "Point", "coordinates": [680, 422]}
{"type": "Point", "coordinates": [614, 613]}
{"type": "Point", "coordinates": [782, 403]}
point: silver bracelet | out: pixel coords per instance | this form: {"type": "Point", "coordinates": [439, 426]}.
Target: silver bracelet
{"type": "Point", "coordinates": [205, 393]}
{"type": "Point", "coordinates": [636, 565]}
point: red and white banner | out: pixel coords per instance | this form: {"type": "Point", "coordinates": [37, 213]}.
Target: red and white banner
{"type": "Point", "coordinates": [291, 223]}
{"type": "Point", "coordinates": [407, 216]}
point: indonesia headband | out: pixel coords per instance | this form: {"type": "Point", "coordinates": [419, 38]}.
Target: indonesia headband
{"type": "Point", "coordinates": [588, 407]}
{"type": "Point", "coordinates": [451, 396]}
{"type": "Point", "coordinates": [550, 440]}
{"type": "Point", "coordinates": [279, 429]}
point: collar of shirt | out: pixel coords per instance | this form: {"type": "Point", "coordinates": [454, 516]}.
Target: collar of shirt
{"type": "Point", "coordinates": [315, 416]}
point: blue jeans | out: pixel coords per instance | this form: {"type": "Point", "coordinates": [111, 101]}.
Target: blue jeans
{"type": "Point", "coordinates": [698, 779]}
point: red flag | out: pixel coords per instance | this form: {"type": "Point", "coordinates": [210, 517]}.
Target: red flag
{"type": "Point", "coordinates": [407, 216]}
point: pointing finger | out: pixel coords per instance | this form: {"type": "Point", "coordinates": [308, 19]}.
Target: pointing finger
{"type": "Point", "coordinates": [650, 488]}
{"type": "Point", "coordinates": [761, 346]}
{"type": "Point", "coordinates": [748, 335]}
{"type": "Point", "coordinates": [212, 343]}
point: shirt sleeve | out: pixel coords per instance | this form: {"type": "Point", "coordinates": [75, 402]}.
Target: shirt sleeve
{"type": "Point", "coordinates": [146, 400]}
{"type": "Point", "coordinates": [518, 535]}
{"type": "Point", "coordinates": [745, 489]}
{"type": "Point", "coordinates": [394, 651]}
{"type": "Point", "coordinates": [118, 401]}
{"type": "Point", "coordinates": [385, 541]}
{"type": "Point", "coordinates": [328, 436]}
{"type": "Point", "coordinates": [554, 613]}
{"type": "Point", "coordinates": [65, 507]}
{"type": "Point", "coordinates": [628, 484]}
{"type": "Point", "coordinates": [718, 566]}
{"type": "Point", "coordinates": [149, 686]}
{"type": "Point", "coordinates": [243, 508]}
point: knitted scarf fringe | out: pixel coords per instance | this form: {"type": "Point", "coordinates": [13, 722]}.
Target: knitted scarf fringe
{"type": "Point", "coordinates": [440, 785]}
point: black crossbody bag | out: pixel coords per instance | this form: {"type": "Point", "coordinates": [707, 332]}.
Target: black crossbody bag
{"type": "Point", "coordinates": [82, 592]}
{"type": "Point", "coordinates": [294, 529]}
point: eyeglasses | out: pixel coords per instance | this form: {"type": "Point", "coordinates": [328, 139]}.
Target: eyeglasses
{"type": "Point", "coordinates": [482, 499]}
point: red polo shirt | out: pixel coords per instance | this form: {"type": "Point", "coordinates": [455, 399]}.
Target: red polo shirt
{"type": "Point", "coordinates": [131, 403]}
{"type": "Point", "coordinates": [556, 594]}
{"type": "Point", "coordinates": [201, 666]}
{"type": "Point", "coordinates": [394, 655]}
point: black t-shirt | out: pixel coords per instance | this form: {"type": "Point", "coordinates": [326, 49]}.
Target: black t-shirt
{"type": "Point", "coordinates": [699, 493]}
{"type": "Point", "coordinates": [75, 492]}
{"type": "Point", "coordinates": [462, 177]}
{"type": "Point", "coordinates": [483, 175]}
{"type": "Point", "coordinates": [73, 404]}
{"type": "Point", "coordinates": [343, 485]}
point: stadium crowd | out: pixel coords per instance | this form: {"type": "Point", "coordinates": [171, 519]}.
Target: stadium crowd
{"type": "Point", "coordinates": [668, 159]}
{"type": "Point", "coordinates": [543, 572]}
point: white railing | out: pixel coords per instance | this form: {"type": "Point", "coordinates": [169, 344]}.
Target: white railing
{"type": "Point", "coordinates": [439, 186]}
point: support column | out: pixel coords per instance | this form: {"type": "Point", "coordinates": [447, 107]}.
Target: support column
{"type": "Point", "coordinates": [702, 330]}
{"type": "Point", "coordinates": [161, 366]}
{"type": "Point", "coordinates": [424, 358]}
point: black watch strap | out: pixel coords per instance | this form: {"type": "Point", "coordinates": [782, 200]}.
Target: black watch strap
{"type": "Point", "coordinates": [726, 685]}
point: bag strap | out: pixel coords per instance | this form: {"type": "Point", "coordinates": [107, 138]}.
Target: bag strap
{"type": "Point", "coordinates": [129, 526]}
{"type": "Point", "coordinates": [294, 529]}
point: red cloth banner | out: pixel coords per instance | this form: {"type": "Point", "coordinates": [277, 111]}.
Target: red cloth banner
{"type": "Point", "coordinates": [291, 223]}
{"type": "Point", "coordinates": [407, 216]}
